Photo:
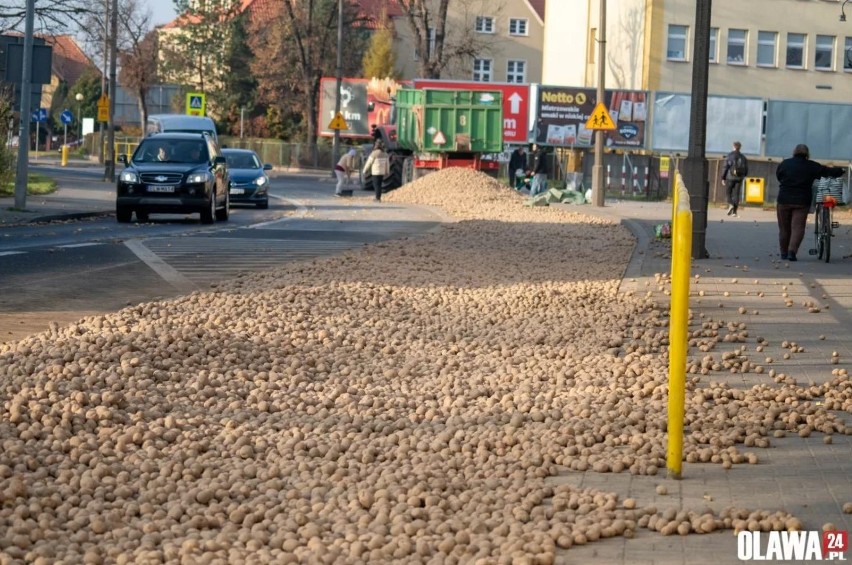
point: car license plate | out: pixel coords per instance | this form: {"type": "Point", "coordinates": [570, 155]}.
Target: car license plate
{"type": "Point", "coordinates": [238, 191]}
{"type": "Point", "coordinates": [161, 189]}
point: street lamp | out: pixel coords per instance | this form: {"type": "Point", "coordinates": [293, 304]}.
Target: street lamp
{"type": "Point", "coordinates": [79, 99]}
{"type": "Point", "coordinates": [842, 13]}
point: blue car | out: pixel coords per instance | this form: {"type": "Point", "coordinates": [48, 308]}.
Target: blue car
{"type": "Point", "coordinates": [249, 183]}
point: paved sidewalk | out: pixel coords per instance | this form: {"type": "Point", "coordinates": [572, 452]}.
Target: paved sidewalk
{"type": "Point", "coordinates": [806, 477]}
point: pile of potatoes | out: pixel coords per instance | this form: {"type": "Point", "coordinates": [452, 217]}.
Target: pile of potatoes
{"type": "Point", "coordinates": [406, 402]}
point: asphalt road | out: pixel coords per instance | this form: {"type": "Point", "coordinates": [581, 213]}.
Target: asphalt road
{"type": "Point", "coordinates": [62, 271]}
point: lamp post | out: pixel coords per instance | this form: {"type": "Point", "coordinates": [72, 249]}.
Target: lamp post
{"type": "Point", "coordinates": [79, 98]}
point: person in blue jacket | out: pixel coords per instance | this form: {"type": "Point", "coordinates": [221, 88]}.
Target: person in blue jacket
{"type": "Point", "coordinates": [796, 176]}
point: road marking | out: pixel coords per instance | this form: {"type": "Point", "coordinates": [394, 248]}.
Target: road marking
{"type": "Point", "coordinates": [301, 211]}
{"type": "Point", "coordinates": [169, 273]}
{"type": "Point", "coordinates": [71, 245]}
{"type": "Point", "coordinates": [3, 253]}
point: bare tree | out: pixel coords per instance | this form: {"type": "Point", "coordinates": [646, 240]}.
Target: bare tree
{"type": "Point", "coordinates": [134, 24]}
{"type": "Point", "coordinates": [139, 70]}
{"type": "Point", "coordinates": [623, 62]}
{"type": "Point", "coordinates": [51, 16]}
{"type": "Point", "coordinates": [440, 45]}
{"type": "Point", "coordinates": [296, 49]}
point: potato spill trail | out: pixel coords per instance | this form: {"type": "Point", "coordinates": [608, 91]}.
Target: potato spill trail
{"type": "Point", "coordinates": [406, 402]}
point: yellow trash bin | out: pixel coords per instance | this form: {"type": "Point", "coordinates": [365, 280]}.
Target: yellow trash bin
{"type": "Point", "coordinates": [754, 189]}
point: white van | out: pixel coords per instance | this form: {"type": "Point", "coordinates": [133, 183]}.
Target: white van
{"type": "Point", "coordinates": [159, 123]}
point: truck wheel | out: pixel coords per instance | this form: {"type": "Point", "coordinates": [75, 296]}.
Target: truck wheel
{"type": "Point", "coordinates": [408, 170]}
{"type": "Point", "coordinates": [366, 180]}
{"type": "Point", "coordinates": [394, 177]}
{"type": "Point", "coordinates": [123, 214]}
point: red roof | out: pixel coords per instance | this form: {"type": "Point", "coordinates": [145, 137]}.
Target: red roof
{"type": "Point", "coordinates": [538, 6]}
{"type": "Point", "coordinates": [69, 61]}
{"type": "Point", "coordinates": [370, 12]}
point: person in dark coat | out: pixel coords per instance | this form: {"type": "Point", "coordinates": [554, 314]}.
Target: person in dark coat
{"type": "Point", "coordinates": [796, 176]}
{"type": "Point", "coordinates": [539, 169]}
{"type": "Point", "coordinates": [736, 169]}
{"type": "Point", "coordinates": [518, 160]}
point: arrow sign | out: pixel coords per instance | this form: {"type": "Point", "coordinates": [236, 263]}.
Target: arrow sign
{"type": "Point", "coordinates": [66, 117]}
{"type": "Point", "coordinates": [515, 103]}
{"type": "Point", "coordinates": [40, 115]}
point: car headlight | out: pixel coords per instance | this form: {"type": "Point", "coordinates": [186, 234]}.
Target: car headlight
{"type": "Point", "coordinates": [129, 177]}
{"type": "Point", "coordinates": [197, 178]}
{"type": "Point", "coordinates": [260, 181]}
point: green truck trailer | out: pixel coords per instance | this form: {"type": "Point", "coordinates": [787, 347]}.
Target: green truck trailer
{"type": "Point", "coordinates": [438, 128]}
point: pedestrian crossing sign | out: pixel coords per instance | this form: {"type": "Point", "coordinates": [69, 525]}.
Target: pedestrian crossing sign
{"type": "Point", "coordinates": [196, 104]}
{"type": "Point", "coordinates": [338, 122]}
{"type": "Point", "coordinates": [600, 119]}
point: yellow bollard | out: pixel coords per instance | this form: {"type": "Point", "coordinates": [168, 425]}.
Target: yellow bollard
{"type": "Point", "coordinates": [678, 332]}
{"type": "Point", "coordinates": [64, 162]}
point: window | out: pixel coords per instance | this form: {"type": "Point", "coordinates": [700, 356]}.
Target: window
{"type": "Point", "coordinates": [714, 45]}
{"type": "Point", "coordinates": [737, 46]}
{"type": "Point", "coordinates": [676, 49]}
{"type": "Point", "coordinates": [847, 55]}
{"type": "Point", "coordinates": [518, 26]}
{"type": "Point", "coordinates": [516, 71]}
{"type": "Point", "coordinates": [796, 50]}
{"type": "Point", "coordinates": [482, 70]}
{"type": "Point", "coordinates": [824, 53]}
{"type": "Point", "coordinates": [484, 24]}
{"type": "Point", "coordinates": [431, 45]}
{"type": "Point", "coordinates": [766, 48]}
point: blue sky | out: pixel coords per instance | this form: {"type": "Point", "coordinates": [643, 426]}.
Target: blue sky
{"type": "Point", "coordinates": [162, 11]}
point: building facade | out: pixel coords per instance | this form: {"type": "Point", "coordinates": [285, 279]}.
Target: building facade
{"type": "Point", "coordinates": [791, 49]}
{"type": "Point", "coordinates": [496, 41]}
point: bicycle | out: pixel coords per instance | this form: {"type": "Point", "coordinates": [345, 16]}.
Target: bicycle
{"type": "Point", "coordinates": [823, 226]}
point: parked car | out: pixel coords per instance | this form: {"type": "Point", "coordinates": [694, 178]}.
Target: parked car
{"type": "Point", "coordinates": [174, 173]}
{"type": "Point", "coordinates": [249, 183]}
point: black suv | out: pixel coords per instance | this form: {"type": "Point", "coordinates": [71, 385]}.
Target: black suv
{"type": "Point", "coordinates": [174, 173]}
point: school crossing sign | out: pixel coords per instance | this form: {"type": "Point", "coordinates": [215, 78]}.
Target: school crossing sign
{"type": "Point", "coordinates": [196, 104]}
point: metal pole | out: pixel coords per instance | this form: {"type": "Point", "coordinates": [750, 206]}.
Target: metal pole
{"type": "Point", "coordinates": [64, 134]}
{"type": "Point", "coordinates": [21, 170]}
{"type": "Point", "coordinates": [335, 149]}
{"type": "Point", "coordinates": [598, 190]}
{"type": "Point", "coordinates": [695, 168]}
{"type": "Point", "coordinates": [109, 172]}
{"type": "Point", "coordinates": [104, 78]}
{"type": "Point", "coordinates": [242, 112]}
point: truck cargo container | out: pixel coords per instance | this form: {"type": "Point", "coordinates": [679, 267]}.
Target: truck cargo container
{"type": "Point", "coordinates": [438, 128]}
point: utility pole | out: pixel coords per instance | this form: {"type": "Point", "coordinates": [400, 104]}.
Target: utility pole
{"type": "Point", "coordinates": [104, 78]}
{"type": "Point", "coordinates": [109, 170]}
{"type": "Point", "coordinates": [695, 168]}
{"type": "Point", "coordinates": [22, 169]}
{"type": "Point", "coordinates": [598, 190]}
{"type": "Point", "coordinates": [335, 148]}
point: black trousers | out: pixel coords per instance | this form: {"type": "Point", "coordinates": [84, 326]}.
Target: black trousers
{"type": "Point", "coordinates": [377, 185]}
{"type": "Point", "coordinates": [733, 189]}
{"type": "Point", "coordinates": [792, 220]}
